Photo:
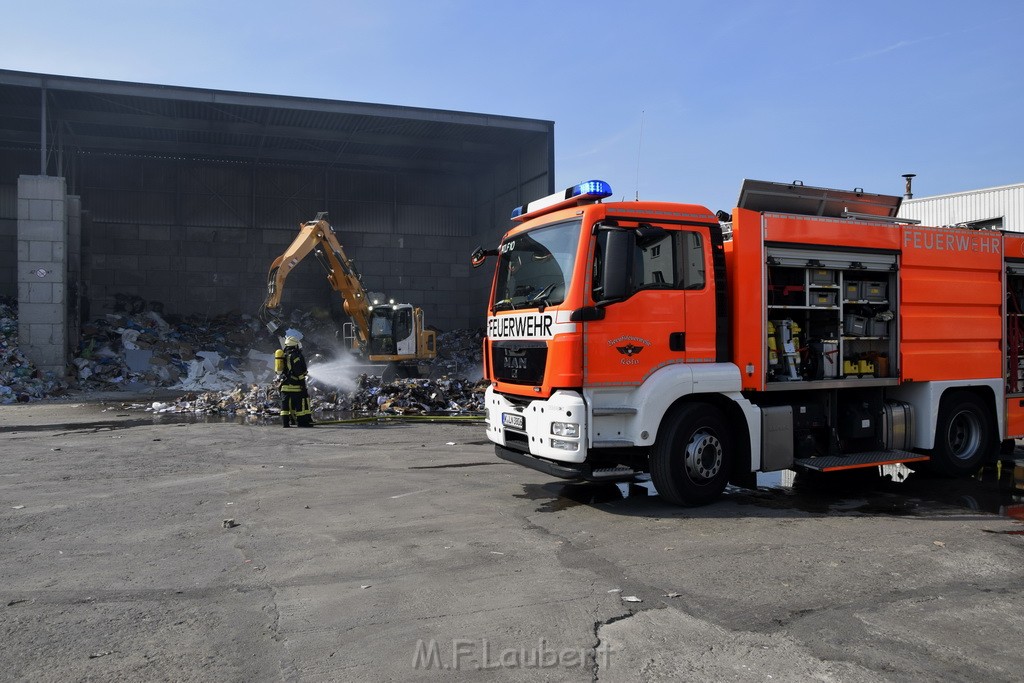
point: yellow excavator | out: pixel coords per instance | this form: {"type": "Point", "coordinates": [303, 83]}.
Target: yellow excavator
{"type": "Point", "coordinates": [383, 332]}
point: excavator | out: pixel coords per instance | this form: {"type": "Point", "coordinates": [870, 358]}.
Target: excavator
{"type": "Point", "coordinates": [387, 333]}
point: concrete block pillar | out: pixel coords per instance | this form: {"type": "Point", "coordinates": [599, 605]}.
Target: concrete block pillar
{"type": "Point", "coordinates": [43, 271]}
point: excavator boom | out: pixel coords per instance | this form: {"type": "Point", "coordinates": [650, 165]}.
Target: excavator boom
{"type": "Point", "coordinates": [318, 235]}
{"type": "Point", "coordinates": [391, 333]}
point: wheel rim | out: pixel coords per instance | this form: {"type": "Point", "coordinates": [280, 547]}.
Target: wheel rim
{"type": "Point", "coordinates": [964, 435]}
{"type": "Point", "coordinates": [703, 456]}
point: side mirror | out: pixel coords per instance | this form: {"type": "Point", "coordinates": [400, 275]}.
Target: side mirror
{"type": "Point", "coordinates": [647, 234]}
{"type": "Point", "coordinates": [480, 255]}
{"type": "Point", "coordinates": [615, 265]}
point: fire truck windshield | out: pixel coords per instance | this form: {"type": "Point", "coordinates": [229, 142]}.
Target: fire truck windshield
{"type": "Point", "coordinates": [534, 267]}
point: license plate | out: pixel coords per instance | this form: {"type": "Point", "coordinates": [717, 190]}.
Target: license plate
{"type": "Point", "coordinates": [513, 420]}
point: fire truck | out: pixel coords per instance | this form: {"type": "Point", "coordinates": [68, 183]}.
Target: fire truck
{"type": "Point", "coordinates": [811, 329]}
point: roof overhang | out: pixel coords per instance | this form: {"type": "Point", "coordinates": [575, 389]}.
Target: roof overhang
{"type": "Point", "coordinates": [93, 116]}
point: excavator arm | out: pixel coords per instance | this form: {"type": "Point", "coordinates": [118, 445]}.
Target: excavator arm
{"type": "Point", "coordinates": [318, 235]}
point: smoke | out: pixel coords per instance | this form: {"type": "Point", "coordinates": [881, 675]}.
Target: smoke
{"type": "Point", "coordinates": [339, 373]}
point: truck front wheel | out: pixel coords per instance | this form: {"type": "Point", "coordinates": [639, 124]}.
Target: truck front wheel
{"type": "Point", "coordinates": [692, 456]}
{"type": "Point", "coordinates": [964, 436]}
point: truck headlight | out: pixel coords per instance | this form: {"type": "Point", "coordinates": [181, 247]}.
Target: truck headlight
{"type": "Point", "coordinates": [565, 445]}
{"type": "Point", "coordinates": [565, 429]}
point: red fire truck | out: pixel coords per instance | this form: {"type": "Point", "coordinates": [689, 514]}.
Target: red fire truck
{"type": "Point", "coordinates": [811, 329]}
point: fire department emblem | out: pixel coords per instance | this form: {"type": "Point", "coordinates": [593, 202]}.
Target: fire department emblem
{"type": "Point", "coordinates": [630, 349]}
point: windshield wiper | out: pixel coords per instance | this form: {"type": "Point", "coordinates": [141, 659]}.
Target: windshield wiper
{"type": "Point", "coordinates": [504, 305]}
{"type": "Point", "coordinates": [541, 297]}
{"type": "Point", "coordinates": [544, 293]}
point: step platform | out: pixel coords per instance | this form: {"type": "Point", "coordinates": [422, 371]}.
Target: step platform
{"type": "Point", "coordinates": [851, 461]}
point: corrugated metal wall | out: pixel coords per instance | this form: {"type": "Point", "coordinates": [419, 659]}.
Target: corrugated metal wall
{"type": "Point", "coordinates": [8, 240]}
{"type": "Point", "coordinates": [11, 163]}
{"type": "Point", "coordinates": [199, 236]}
{"type": "Point", "coordinates": [963, 207]}
{"type": "Point", "coordinates": [509, 185]}
{"type": "Point", "coordinates": [162, 192]}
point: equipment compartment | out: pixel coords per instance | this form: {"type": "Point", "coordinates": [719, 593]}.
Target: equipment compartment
{"type": "Point", "coordinates": [833, 323]}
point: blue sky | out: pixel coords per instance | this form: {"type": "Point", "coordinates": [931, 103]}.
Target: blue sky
{"type": "Point", "coordinates": [666, 100]}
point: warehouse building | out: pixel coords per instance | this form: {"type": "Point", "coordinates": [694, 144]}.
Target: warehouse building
{"type": "Point", "coordinates": [999, 208]}
{"type": "Point", "coordinates": [177, 199]}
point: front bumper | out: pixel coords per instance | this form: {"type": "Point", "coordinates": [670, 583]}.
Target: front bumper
{"type": "Point", "coordinates": [535, 437]}
{"type": "Point", "coordinates": [574, 472]}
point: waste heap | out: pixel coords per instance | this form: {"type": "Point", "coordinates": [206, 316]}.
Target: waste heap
{"type": "Point", "coordinates": [140, 350]}
{"type": "Point", "coordinates": [20, 380]}
{"type": "Point", "coordinates": [225, 365]}
{"type": "Point", "coordinates": [459, 354]}
{"type": "Point", "coordinates": [406, 397]}
{"type": "Point", "coordinates": [454, 387]}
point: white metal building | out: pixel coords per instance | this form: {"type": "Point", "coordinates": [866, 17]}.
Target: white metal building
{"type": "Point", "coordinates": [993, 207]}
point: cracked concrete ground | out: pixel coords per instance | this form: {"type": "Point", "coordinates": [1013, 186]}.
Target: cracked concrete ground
{"type": "Point", "coordinates": [408, 551]}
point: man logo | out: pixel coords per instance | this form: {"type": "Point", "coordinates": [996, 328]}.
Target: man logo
{"type": "Point", "coordinates": [630, 349]}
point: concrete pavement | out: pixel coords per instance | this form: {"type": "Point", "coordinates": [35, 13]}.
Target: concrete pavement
{"type": "Point", "coordinates": [409, 551]}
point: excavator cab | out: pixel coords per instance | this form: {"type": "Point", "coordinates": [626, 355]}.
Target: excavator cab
{"type": "Point", "coordinates": [383, 332]}
{"type": "Point", "coordinates": [394, 332]}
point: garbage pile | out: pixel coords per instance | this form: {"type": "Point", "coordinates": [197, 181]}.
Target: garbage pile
{"type": "Point", "coordinates": [409, 397]}
{"type": "Point", "coordinates": [370, 396]}
{"type": "Point", "coordinates": [256, 400]}
{"type": "Point", "coordinates": [454, 387]}
{"type": "Point", "coordinates": [146, 350]}
{"type": "Point", "coordinates": [20, 380]}
{"type": "Point", "coordinates": [459, 354]}
{"type": "Point", "coordinates": [225, 365]}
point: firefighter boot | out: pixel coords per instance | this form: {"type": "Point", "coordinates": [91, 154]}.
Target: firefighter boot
{"type": "Point", "coordinates": [286, 420]}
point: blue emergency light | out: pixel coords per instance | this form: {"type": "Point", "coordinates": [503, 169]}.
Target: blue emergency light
{"type": "Point", "coordinates": [595, 189]}
{"type": "Point", "coordinates": [590, 190]}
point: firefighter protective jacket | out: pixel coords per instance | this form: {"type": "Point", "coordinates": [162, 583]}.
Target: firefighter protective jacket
{"type": "Point", "coordinates": [291, 366]}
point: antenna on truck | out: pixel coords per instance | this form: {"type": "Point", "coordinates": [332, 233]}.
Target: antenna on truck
{"type": "Point", "coordinates": [639, 144]}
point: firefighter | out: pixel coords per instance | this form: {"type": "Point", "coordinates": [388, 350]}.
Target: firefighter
{"type": "Point", "coordinates": [290, 365]}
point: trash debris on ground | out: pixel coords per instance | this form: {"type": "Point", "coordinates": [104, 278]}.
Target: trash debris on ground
{"type": "Point", "coordinates": [224, 365]}
{"type": "Point", "coordinates": [413, 396]}
{"type": "Point", "coordinates": [459, 354]}
{"type": "Point", "coordinates": [454, 386]}
{"type": "Point", "coordinates": [20, 380]}
{"type": "Point", "coordinates": [190, 353]}
{"type": "Point", "coordinates": [230, 524]}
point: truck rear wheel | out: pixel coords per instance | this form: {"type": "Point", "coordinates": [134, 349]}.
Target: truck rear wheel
{"type": "Point", "coordinates": [692, 456]}
{"type": "Point", "coordinates": [964, 436]}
